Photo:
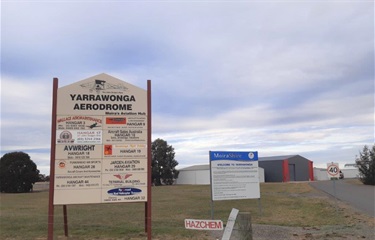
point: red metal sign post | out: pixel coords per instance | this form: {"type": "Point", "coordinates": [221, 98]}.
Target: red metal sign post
{"type": "Point", "coordinates": [52, 160]}
{"type": "Point", "coordinates": [149, 162]}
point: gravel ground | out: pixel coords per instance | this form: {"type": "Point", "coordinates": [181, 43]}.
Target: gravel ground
{"type": "Point", "coordinates": [268, 232]}
{"type": "Point", "coordinates": [271, 232]}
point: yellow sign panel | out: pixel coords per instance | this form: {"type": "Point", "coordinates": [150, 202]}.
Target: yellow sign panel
{"type": "Point", "coordinates": [124, 179]}
{"type": "Point", "coordinates": [79, 136]}
{"type": "Point", "coordinates": [77, 196]}
{"type": "Point", "coordinates": [124, 165]}
{"type": "Point", "coordinates": [79, 122]}
{"type": "Point", "coordinates": [101, 95]}
{"type": "Point", "coordinates": [79, 151]}
{"type": "Point", "coordinates": [115, 136]}
{"type": "Point", "coordinates": [78, 167]}
{"type": "Point", "coordinates": [63, 182]}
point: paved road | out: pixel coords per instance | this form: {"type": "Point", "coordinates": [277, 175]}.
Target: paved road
{"type": "Point", "coordinates": [359, 196]}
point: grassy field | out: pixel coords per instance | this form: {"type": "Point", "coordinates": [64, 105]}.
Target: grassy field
{"type": "Point", "coordinates": [24, 216]}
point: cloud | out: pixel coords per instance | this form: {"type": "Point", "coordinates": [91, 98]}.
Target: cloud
{"type": "Point", "coordinates": [280, 77]}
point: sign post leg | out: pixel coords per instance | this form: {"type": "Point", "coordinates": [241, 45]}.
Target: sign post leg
{"type": "Point", "coordinates": [334, 194]}
{"type": "Point", "coordinates": [65, 211]}
{"type": "Point", "coordinates": [52, 161]}
{"type": "Point", "coordinates": [149, 163]}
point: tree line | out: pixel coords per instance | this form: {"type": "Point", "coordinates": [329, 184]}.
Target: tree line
{"type": "Point", "coordinates": [18, 172]}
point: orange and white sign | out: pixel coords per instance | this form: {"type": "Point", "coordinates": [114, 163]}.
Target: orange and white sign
{"type": "Point", "coordinates": [138, 120]}
{"type": "Point", "coordinates": [121, 151]}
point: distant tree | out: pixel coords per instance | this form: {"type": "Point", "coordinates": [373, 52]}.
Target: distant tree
{"type": "Point", "coordinates": [163, 163]}
{"type": "Point", "coordinates": [366, 165]}
{"type": "Point", "coordinates": [43, 178]}
{"type": "Point", "coordinates": [18, 173]}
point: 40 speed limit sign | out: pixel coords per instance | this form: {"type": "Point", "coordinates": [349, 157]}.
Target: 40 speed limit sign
{"type": "Point", "coordinates": [333, 170]}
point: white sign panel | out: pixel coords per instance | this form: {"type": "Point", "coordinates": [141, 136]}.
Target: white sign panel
{"type": "Point", "coordinates": [197, 224]}
{"type": "Point", "coordinates": [79, 136]}
{"type": "Point", "coordinates": [234, 175]}
{"type": "Point", "coordinates": [333, 170]}
{"type": "Point", "coordinates": [101, 142]}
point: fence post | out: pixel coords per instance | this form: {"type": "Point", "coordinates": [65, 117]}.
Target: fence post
{"type": "Point", "coordinates": [243, 229]}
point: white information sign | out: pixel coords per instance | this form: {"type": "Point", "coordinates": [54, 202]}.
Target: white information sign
{"type": "Point", "coordinates": [333, 170]}
{"type": "Point", "coordinates": [101, 142]}
{"type": "Point", "coordinates": [234, 175]}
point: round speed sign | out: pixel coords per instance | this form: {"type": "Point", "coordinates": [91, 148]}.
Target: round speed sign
{"type": "Point", "coordinates": [333, 169]}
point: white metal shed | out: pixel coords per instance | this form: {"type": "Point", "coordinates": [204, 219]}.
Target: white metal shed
{"type": "Point", "coordinates": [200, 174]}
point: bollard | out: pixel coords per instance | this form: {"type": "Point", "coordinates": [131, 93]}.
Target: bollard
{"type": "Point", "coordinates": [243, 229]}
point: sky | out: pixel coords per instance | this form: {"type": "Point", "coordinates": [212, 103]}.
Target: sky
{"type": "Point", "coordinates": [277, 77]}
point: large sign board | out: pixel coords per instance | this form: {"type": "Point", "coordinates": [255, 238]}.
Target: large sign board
{"type": "Point", "coordinates": [101, 142]}
{"type": "Point", "coordinates": [234, 175]}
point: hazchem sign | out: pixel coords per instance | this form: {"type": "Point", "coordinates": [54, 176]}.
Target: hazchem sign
{"type": "Point", "coordinates": [101, 142]}
{"type": "Point", "coordinates": [234, 175]}
{"type": "Point", "coordinates": [203, 224]}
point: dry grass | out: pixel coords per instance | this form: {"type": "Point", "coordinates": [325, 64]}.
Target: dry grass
{"type": "Point", "coordinates": [24, 216]}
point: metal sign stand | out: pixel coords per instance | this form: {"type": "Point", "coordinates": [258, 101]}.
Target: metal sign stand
{"type": "Point", "coordinates": [149, 164]}
{"type": "Point", "coordinates": [52, 161]}
{"type": "Point", "coordinates": [65, 212]}
{"type": "Point", "coordinates": [334, 194]}
{"type": "Point", "coordinates": [333, 171]}
{"type": "Point", "coordinates": [51, 208]}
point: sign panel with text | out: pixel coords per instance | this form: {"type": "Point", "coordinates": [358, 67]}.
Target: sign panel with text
{"type": "Point", "coordinates": [198, 224]}
{"type": "Point", "coordinates": [101, 142]}
{"type": "Point", "coordinates": [234, 175]}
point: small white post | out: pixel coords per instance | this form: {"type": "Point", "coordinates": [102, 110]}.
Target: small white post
{"type": "Point", "coordinates": [230, 224]}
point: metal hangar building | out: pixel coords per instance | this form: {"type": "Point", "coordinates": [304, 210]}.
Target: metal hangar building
{"type": "Point", "coordinates": [271, 169]}
{"type": "Point", "coordinates": [287, 168]}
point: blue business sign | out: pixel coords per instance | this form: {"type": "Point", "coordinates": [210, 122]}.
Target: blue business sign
{"type": "Point", "coordinates": [124, 191]}
{"type": "Point", "coordinates": [240, 156]}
